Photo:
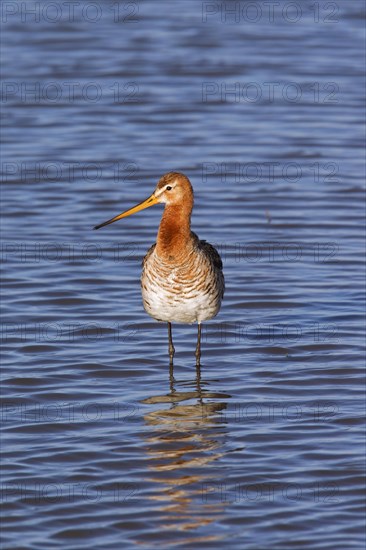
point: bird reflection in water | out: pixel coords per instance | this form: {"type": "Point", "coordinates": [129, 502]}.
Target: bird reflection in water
{"type": "Point", "coordinates": [183, 442]}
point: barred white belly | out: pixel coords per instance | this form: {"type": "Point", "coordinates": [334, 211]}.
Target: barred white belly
{"type": "Point", "coordinates": [163, 307]}
{"type": "Point", "coordinates": [185, 294]}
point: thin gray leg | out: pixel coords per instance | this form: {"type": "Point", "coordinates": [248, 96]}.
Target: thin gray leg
{"type": "Point", "coordinates": [198, 347]}
{"type": "Point", "coordinates": [171, 347]}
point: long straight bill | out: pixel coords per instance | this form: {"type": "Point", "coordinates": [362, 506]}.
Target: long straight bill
{"type": "Point", "coordinates": [145, 204]}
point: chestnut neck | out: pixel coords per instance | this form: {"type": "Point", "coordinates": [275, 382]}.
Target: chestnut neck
{"type": "Point", "coordinates": [174, 236]}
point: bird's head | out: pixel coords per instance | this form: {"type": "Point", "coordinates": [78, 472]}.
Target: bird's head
{"type": "Point", "coordinates": [173, 189]}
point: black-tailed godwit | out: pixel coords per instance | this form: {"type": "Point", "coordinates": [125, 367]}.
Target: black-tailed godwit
{"type": "Point", "coordinates": [182, 279]}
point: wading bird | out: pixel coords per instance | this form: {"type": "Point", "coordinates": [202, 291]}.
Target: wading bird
{"type": "Point", "coordinates": [182, 279]}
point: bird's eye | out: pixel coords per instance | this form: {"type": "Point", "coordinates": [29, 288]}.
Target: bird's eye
{"type": "Point", "coordinates": [168, 188]}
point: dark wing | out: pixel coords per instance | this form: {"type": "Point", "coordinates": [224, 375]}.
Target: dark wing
{"type": "Point", "coordinates": [148, 254]}
{"type": "Point", "coordinates": [209, 250]}
{"type": "Point", "coordinates": [215, 259]}
{"type": "Point", "coordinates": [212, 253]}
